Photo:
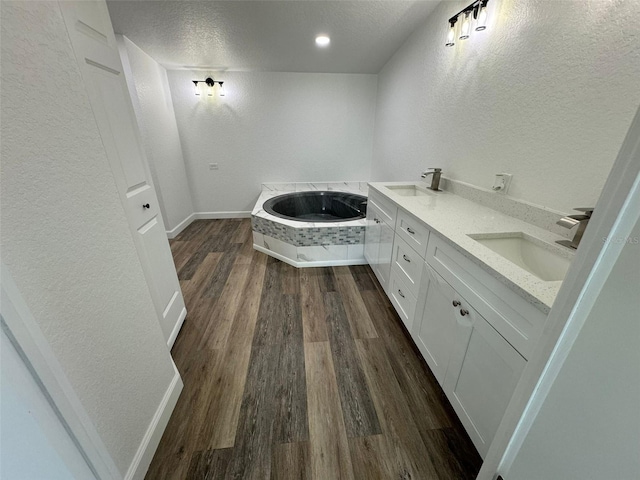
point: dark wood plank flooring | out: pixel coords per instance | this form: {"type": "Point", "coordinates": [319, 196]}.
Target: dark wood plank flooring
{"type": "Point", "coordinates": [298, 374]}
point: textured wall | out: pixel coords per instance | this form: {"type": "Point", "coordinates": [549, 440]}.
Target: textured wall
{"type": "Point", "coordinates": [596, 393]}
{"type": "Point", "coordinates": [65, 237]}
{"type": "Point", "coordinates": [272, 127]}
{"type": "Point", "coordinates": [156, 118]}
{"type": "Point", "coordinates": [546, 93]}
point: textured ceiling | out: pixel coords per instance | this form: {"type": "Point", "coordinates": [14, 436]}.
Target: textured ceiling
{"type": "Point", "coordinates": [269, 35]}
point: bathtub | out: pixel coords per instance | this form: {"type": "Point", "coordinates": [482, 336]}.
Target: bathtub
{"type": "Point", "coordinates": [311, 224]}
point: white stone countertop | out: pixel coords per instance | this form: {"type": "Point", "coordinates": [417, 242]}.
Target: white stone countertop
{"type": "Point", "coordinates": [453, 218]}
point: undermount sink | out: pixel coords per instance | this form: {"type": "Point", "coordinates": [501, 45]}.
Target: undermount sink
{"type": "Point", "coordinates": [409, 190]}
{"type": "Point", "coordinates": [544, 260]}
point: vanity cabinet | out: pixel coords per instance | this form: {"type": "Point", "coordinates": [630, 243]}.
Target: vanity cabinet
{"type": "Point", "coordinates": [435, 329]}
{"type": "Point", "coordinates": [378, 237]}
{"type": "Point", "coordinates": [476, 367]}
{"type": "Point", "coordinates": [473, 331]}
{"type": "Point", "coordinates": [481, 375]}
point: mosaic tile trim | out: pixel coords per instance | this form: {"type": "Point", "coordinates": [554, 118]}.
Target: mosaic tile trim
{"type": "Point", "coordinates": [307, 237]}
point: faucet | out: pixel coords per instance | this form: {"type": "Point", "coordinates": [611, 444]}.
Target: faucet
{"type": "Point", "coordinates": [571, 221]}
{"type": "Point", "coordinates": [435, 180]}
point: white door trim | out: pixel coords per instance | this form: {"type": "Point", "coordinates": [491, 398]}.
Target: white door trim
{"type": "Point", "coordinates": [590, 268]}
{"type": "Point", "coordinates": [40, 358]}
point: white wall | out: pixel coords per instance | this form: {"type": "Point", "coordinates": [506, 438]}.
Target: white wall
{"type": "Point", "coordinates": [149, 89]}
{"type": "Point", "coordinates": [272, 127]}
{"type": "Point", "coordinates": [546, 93]}
{"type": "Point", "coordinates": [65, 237]}
{"type": "Point", "coordinates": [34, 442]}
{"type": "Point", "coordinates": [589, 424]}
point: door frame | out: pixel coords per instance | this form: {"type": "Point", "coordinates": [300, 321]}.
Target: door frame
{"type": "Point", "coordinates": [24, 332]}
{"type": "Point", "coordinates": [615, 213]}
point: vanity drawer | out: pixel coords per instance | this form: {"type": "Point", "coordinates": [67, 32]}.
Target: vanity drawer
{"type": "Point", "coordinates": [412, 231]}
{"type": "Point", "coordinates": [408, 264]}
{"type": "Point", "coordinates": [517, 320]}
{"type": "Point", "coordinates": [402, 299]}
{"type": "Point", "coordinates": [388, 210]}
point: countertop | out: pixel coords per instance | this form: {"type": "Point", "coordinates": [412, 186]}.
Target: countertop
{"type": "Point", "coordinates": [453, 218]}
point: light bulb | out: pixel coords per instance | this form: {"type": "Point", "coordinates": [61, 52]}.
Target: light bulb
{"type": "Point", "coordinates": [196, 90]}
{"type": "Point", "coordinates": [451, 34]}
{"type": "Point", "coordinates": [221, 89]}
{"type": "Point", "coordinates": [210, 90]}
{"type": "Point", "coordinates": [323, 40]}
{"type": "Point", "coordinates": [466, 25]}
{"type": "Point", "coordinates": [482, 18]}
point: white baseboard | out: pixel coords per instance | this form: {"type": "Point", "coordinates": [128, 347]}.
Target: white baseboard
{"type": "Point", "coordinates": [181, 226]}
{"type": "Point", "coordinates": [176, 329]}
{"type": "Point", "coordinates": [319, 263]}
{"type": "Point", "coordinates": [144, 455]}
{"type": "Point", "coordinates": [214, 215]}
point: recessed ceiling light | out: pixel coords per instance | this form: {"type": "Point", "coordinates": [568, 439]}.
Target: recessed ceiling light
{"type": "Point", "coordinates": [322, 40]}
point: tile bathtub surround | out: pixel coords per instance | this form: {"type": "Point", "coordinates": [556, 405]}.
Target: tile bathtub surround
{"type": "Point", "coordinates": [527, 212]}
{"type": "Point", "coordinates": [350, 186]}
{"type": "Point", "coordinates": [308, 236]}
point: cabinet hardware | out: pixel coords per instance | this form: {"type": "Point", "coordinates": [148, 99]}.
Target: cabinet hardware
{"type": "Point", "coordinates": [400, 292]}
{"type": "Point", "coordinates": [464, 312]}
{"type": "Point", "coordinates": [456, 303]}
{"type": "Point", "coordinates": [406, 258]}
{"type": "Point", "coordinates": [145, 205]}
{"type": "Point", "coordinates": [410, 231]}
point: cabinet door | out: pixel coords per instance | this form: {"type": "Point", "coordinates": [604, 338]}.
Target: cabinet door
{"type": "Point", "coordinates": [372, 235]}
{"type": "Point", "coordinates": [434, 332]}
{"type": "Point", "coordinates": [384, 255]}
{"type": "Point", "coordinates": [483, 372]}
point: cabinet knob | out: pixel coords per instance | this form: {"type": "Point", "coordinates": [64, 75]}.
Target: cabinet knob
{"type": "Point", "coordinates": [464, 312]}
{"type": "Point", "coordinates": [410, 231]}
{"type": "Point", "coordinates": [400, 292]}
{"type": "Point", "coordinates": [145, 205]}
{"type": "Point", "coordinates": [456, 303]}
{"type": "Point", "coordinates": [406, 259]}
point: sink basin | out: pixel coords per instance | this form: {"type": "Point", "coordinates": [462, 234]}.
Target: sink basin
{"type": "Point", "coordinates": [409, 190]}
{"type": "Point", "coordinates": [546, 261]}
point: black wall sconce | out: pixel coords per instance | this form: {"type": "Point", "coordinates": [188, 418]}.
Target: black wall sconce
{"type": "Point", "coordinates": [210, 82]}
{"type": "Point", "coordinates": [476, 11]}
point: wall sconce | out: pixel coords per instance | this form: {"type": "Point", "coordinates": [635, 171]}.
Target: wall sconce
{"type": "Point", "coordinates": [477, 10]}
{"type": "Point", "coordinates": [210, 83]}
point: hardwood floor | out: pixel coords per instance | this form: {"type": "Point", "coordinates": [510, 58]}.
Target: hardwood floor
{"type": "Point", "coordinates": [298, 374]}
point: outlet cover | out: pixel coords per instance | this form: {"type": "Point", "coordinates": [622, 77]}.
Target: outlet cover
{"type": "Point", "coordinates": [213, 166]}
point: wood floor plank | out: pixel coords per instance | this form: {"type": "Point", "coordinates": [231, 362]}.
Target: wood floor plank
{"type": "Point", "coordinates": [361, 275]}
{"type": "Point", "coordinates": [209, 465]}
{"type": "Point", "coordinates": [326, 279]}
{"type": "Point", "coordinates": [313, 316]}
{"type": "Point", "coordinates": [290, 461]}
{"type": "Point", "coordinates": [192, 289]}
{"type": "Point", "coordinates": [329, 449]}
{"type": "Point", "coordinates": [173, 456]}
{"type": "Point", "coordinates": [251, 458]}
{"type": "Point", "coordinates": [243, 231]}
{"type": "Point", "coordinates": [288, 392]}
{"type": "Point", "coordinates": [290, 396]}
{"type": "Point", "coordinates": [403, 441]}
{"type": "Point", "coordinates": [454, 456]}
{"type": "Point", "coordinates": [361, 324]}
{"type": "Point", "coordinates": [426, 400]}
{"type": "Point", "coordinates": [290, 279]}
{"type": "Point", "coordinates": [221, 419]}
{"type": "Point", "coordinates": [226, 307]}
{"type": "Point", "coordinates": [359, 413]}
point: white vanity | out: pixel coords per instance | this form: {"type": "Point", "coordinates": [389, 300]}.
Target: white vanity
{"type": "Point", "coordinates": [473, 287]}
